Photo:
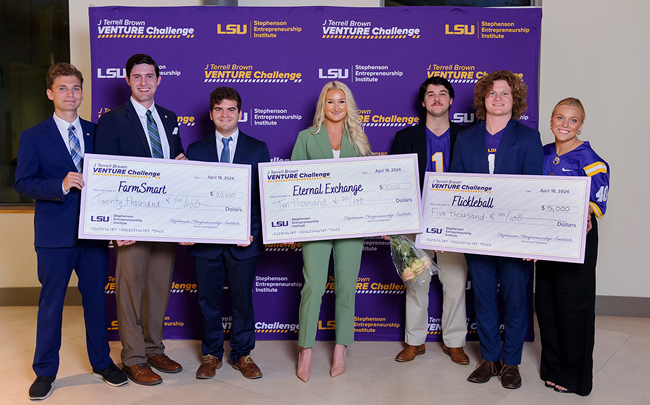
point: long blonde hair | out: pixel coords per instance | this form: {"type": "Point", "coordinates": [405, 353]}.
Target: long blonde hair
{"type": "Point", "coordinates": [352, 127]}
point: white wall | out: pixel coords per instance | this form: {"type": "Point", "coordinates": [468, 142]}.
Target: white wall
{"type": "Point", "coordinates": [596, 50]}
{"type": "Point", "coordinates": [591, 49]}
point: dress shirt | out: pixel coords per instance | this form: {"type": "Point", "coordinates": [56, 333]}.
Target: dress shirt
{"type": "Point", "coordinates": [233, 144]}
{"type": "Point", "coordinates": [142, 114]}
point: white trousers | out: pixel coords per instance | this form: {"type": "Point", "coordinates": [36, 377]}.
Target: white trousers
{"type": "Point", "coordinates": [453, 277]}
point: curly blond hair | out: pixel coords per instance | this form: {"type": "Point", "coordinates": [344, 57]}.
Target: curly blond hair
{"type": "Point", "coordinates": [485, 84]}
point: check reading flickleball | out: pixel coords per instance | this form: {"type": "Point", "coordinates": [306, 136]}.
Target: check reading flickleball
{"type": "Point", "coordinates": [339, 198]}
{"type": "Point", "coordinates": [164, 200]}
{"type": "Point", "coordinates": [533, 217]}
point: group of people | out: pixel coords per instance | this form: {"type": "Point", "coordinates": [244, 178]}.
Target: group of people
{"type": "Point", "coordinates": [50, 162]}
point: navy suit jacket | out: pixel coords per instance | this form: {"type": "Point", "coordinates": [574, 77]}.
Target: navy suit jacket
{"type": "Point", "coordinates": [119, 132]}
{"type": "Point", "coordinates": [414, 140]}
{"type": "Point", "coordinates": [43, 163]}
{"type": "Point", "coordinates": [249, 151]}
{"type": "Point", "coordinates": [520, 151]}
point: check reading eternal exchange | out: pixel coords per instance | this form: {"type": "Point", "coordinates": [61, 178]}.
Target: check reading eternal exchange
{"type": "Point", "coordinates": [339, 198]}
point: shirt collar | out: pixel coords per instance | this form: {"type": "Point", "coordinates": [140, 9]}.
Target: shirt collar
{"type": "Point", "coordinates": [63, 125]}
{"type": "Point", "coordinates": [140, 110]}
{"type": "Point", "coordinates": [234, 136]}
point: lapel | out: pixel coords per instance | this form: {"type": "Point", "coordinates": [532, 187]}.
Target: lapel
{"type": "Point", "coordinates": [55, 136]}
{"type": "Point", "coordinates": [323, 143]}
{"type": "Point", "coordinates": [481, 147]}
{"type": "Point", "coordinates": [241, 149]}
{"type": "Point", "coordinates": [420, 144]}
{"type": "Point", "coordinates": [347, 150]}
{"type": "Point", "coordinates": [88, 140]}
{"type": "Point", "coordinates": [508, 138]}
{"type": "Point", "coordinates": [211, 147]}
{"type": "Point", "coordinates": [133, 118]}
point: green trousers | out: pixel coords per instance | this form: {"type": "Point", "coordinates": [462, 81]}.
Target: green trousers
{"type": "Point", "coordinates": [316, 258]}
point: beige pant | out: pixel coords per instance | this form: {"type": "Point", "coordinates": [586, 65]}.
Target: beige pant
{"type": "Point", "coordinates": [143, 277]}
{"type": "Point", "coordinates": [453, 277]}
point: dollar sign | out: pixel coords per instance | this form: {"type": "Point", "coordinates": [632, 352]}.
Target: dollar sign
{"type": "Point", "coordinates": [542, 208]}
{"type": "Point", "coordinates": [381, 187]}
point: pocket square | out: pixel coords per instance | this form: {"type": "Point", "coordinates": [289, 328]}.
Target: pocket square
{"type": "Point", "coordinates": [175, 131]}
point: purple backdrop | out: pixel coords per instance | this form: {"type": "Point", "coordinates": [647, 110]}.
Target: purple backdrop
{"type": "Point", "coordinates": [279, 59]}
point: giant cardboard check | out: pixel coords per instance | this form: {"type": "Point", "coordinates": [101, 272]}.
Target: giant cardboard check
{"type": "Point", "coordinates": [128, 198]}
{"type": "Point", "coordinates": [339, 198]}
{"type": "Point", "coordinates": [536, 217]}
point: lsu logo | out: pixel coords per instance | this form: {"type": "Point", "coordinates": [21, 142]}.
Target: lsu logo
{"type": "Point", "coordinates": [333, 74]}
{"type": "Point", "coordinates": [99, 218]}
{"type": "Point", "coordinates": [111, 73]}
{"type": "Point", "coordinates": [460, 29]}
{"type": "Point", "coordinates": [278, 224]}
{"type": "Point", "coordinates": [460, 118]}
{"type": "Point", "coordinates": [233, 29]}
{"type": "Point", "coordinates": [244, 117]}
{"type": "Point", "coordinates": [434, 230]}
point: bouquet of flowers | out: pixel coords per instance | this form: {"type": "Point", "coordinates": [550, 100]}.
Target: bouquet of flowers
{"type": "Point", "coordinates": [410, 261]}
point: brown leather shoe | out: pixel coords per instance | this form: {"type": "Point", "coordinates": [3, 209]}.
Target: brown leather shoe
{"type": "Point", "coordinates": [409, 353]}
{"type": "Point", "coordinates": [484, 371]}
{"type": "Point", "coordinates": [209, 367]}
{"type": "Point", "coordinates": [457, 354]}
{"type": "Point", "coordinates": [248, 368]}
{"type": "Point", "coordinates": [142, 374]}
{"type": "Point", "coordinates": [510, 377]}
{"type": "Point", "coordinates": [163, 363]}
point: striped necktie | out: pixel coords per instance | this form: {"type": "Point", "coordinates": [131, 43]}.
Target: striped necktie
{"type": "Point", "coordinates": [75, 148]}
{"type": "Point", "coordinates": [154, 137]}
{"type": "Point", "coordinates": [225, 153]}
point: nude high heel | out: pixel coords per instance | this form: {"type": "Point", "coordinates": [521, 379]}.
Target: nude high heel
{"type": "Point", "coordinates": [304, 364]}
{"type": "Point", "coordinates": [338, 360]}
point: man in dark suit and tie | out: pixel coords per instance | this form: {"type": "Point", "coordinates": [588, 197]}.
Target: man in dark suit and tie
{"type": "Point", "coordinates": [433, 141]}
{"type": "Point", "coordinates": [216, 263]}
{"type": "Point", "coordinates": [499, 144]}
{"type": "Point", "coordinates": [143, 273]}
{"type": "Point", "coordinates": [50, 161]}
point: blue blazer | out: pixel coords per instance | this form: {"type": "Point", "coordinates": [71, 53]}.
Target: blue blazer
{"type": "Point", "coordinates": [520, 151]}
{"type": "Point", "coordinates": [119, 132]}
{"type": "Point", "coordinates": [249, 151]}
{"type": "Point", "coordinates": [43, 163]}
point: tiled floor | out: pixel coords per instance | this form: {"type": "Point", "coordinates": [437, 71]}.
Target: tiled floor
{"type": "Point", "coordinates": [621, 372]}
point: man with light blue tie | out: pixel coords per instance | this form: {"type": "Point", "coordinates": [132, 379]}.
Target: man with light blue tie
{"type": "Point", "coordinates": [50, 162]}
{"type": "Point", "coordinates": [143, 271]}
{"type": "Point", "coordinates": [237, 264]}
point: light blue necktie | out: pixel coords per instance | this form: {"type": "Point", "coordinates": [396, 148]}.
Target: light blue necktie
{"type": "Point", "coordinates": [225, 153]}
{"type": "Point", "coordinates": [154, 138]}
{"type": "Point", "coordinates": [75, 148]}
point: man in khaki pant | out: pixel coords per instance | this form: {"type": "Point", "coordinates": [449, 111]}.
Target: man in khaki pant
{"type": "Point", "coordinates": [433, 141]}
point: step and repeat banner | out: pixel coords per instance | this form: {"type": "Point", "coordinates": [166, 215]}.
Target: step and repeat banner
{"type": "Point", "coordinates": [279, 59]}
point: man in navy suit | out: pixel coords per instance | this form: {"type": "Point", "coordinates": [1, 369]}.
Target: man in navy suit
{"type": "Point", "coordinates": [216, 263]}
{"type": "Point", "coordinates": [499, 145]}
{"type": "Point", "coordinates": [143, 272]}
{"type": "Point", "coordinates": [433, 141]}
{"type": "Point", "coordinates": [50, 161]}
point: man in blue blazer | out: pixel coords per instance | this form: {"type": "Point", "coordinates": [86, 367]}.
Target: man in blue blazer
{"type": "Point", "coordinates": [50, 161]}
{"type": "Point", "coordinates": [216, 263]}
{"type": "Point", "coordinates": [499, 145]}
{"type": "Point", "coordinates": [433, 141]}
{"type": "Point", "coordinates": [143, 272]}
